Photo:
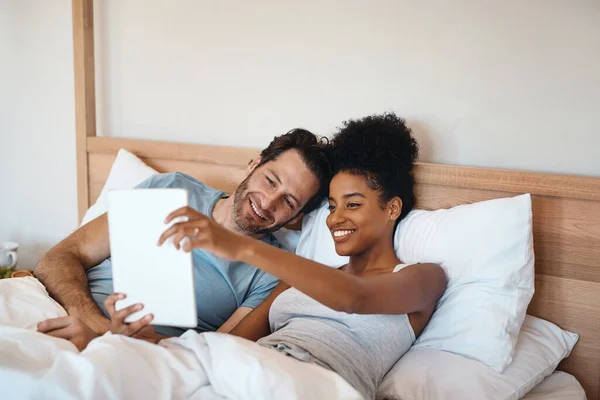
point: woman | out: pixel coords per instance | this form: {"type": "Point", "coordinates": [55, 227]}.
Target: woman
{"type": "Point", "coordinates": [356, 320]}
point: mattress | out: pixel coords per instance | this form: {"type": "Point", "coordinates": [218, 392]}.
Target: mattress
{"type": "Point", "coordinates": [558, 386]}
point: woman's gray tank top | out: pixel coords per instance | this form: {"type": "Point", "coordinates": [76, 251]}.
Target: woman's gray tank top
{"type": "Point", "coordinates": [361, 348]}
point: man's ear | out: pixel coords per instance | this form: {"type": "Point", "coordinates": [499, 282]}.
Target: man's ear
{"type": "Point", "coordinates": [295, 224]}
{"type": "Point", "coordinates": [252, 165]}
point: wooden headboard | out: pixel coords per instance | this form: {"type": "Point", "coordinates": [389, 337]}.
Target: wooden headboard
{"type": "Point", "coordinates": [566, 209]}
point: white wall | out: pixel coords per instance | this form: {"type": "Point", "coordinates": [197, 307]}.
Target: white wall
{"type": "Point", "coordinates": [37, 164]}
{"type": "Point", "coordinates": [511, 84]}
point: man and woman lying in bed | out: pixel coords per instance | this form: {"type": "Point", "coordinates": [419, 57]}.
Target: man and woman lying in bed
{"type": "Point", "coordinates": [356, 320]}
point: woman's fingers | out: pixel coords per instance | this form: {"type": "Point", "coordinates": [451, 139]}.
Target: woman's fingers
{"type": "Point", "coordinates": [181, 230]}
{"type": "Point", "coordinates": [191, 231]}
{"type": "Point", "coordinates": [193, 220]}
{"type": "Point", "coordinates": [168, 233]}
{"type": "Point", "coordinates": [191, 244]}
{"type": "Point", "coordinates": [180, 212]}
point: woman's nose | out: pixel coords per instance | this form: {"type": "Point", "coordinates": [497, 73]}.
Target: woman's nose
{"type": "Point", "coordinates": [335, 217]}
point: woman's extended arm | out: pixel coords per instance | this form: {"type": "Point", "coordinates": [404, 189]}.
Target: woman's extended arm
{"type": "Point", "coordinates": [413, 289]}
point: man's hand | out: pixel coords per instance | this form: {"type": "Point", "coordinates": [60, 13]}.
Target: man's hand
{"type": "Point", "coordinates": [96, 322]}
{"type": "Point", "coordinates": [202, 233]}
{"type": "Point", "coordinates": [70, 328]}
{"type": "Point", "coordinates": [148, 334]}
{"type": "Point", "coordinates": [138, 329]}
{"type": "Point", "coordinates": [117, 318]}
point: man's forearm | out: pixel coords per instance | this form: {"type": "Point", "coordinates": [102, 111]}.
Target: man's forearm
{"type": "Point", "coordinates": [64, 277]}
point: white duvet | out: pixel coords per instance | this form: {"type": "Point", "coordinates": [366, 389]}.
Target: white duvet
{"type": "Point", "coordinates": [205, 366]}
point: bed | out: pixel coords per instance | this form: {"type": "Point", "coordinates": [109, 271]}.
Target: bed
{"type": "Point", "coordinates": [566, 213]}
{"type": "Point", "coordinates": [558, 386]}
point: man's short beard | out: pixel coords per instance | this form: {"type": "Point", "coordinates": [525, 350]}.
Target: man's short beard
{"type": "Point", "coordinates": [238, 203]}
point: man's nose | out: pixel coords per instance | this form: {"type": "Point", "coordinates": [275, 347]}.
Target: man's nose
{"type": "Point", "coordinates": [268, 202]}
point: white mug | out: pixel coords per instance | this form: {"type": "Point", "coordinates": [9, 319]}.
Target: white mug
{"type": "Point", "coordinates": [8, 254]}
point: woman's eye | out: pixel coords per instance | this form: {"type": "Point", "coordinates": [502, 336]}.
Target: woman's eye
{"type": "Point", "coordinates": [270, 181]}
{"type": "Point", "coordinates": [353, 205]}
{"type": "Point", "coordinates": [331, 207]}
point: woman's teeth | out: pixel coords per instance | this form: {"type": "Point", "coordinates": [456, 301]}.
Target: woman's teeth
{"type": "Point", "coordinates": [342, 233]}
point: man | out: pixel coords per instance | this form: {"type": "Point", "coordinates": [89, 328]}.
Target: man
{"type": "Point", "coordinates": [290, 178]}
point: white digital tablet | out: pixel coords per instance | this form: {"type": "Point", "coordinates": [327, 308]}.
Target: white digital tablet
{"type": "Point", "coordinates": [162, 277]}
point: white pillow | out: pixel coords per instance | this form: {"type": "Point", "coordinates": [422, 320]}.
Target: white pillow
{"type": "Point", "coordinates": [126, 172]}
{"type": "Point", "coordinates": [486, 250]}
{"type": "Point", "coordinates": [558, 386]}
{"type": "Point", "coordinates": [24, 302]}
{"type": "Point", "coordinates": [432, 374]}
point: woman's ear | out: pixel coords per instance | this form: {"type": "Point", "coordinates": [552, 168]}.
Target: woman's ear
{"type": "Point", "coordinates": [395, 208]}
{"type": "Point", "coordinates": [252, 165]}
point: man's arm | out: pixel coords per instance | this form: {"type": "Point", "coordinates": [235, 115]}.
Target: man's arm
{"type": "Point", "coordinates": [235, 319]}
{"type": "Point", "coordinates": [261, 296]}
{"type": "Point", "coordinates": [62, 271]}
{"type": "Point", "coordinates": [256, 324]}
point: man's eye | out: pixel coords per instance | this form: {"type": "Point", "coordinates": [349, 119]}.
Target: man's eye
{"type": "Point", "coordinates": [271, 182]}
{"type": "Point", "coordinates": [353, 205]}
{"type": "Point", "coordinates": [289, 203]}
{"type": "Point", "coordinates": [331, 207]}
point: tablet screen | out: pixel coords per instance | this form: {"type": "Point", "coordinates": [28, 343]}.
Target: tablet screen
{"type": "Point", "coordinates": [162, 277]}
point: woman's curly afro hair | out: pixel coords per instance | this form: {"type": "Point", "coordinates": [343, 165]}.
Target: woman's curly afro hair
{"type": "Point", "coordinates": [380, 148]}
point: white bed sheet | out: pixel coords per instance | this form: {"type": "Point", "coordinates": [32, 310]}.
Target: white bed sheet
{"type": "Point", "coordinates": [558, 386]}
{"type": "Point", "coordinates": [24, 302]}
{"type": "Point", "coordinates": [209, 366]}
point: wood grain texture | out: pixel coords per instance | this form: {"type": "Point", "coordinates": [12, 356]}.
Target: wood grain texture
{"type": "Point", "coordinates": [566, 225]}
{"type": "Point", "coordinates": [150, 149]}
{"type": "Point", "coordinates": [558, 185]}
{"type": "Point", "coordinates": [85, 103]}
{"type": "Point", "coordinates": [497, 180]}
{"type": "Point", "coordinates": [573, 305]}
{"type": "Point", "coordinates": [220, 176]}
{"type": "Point", "coordinates": [95, 188]}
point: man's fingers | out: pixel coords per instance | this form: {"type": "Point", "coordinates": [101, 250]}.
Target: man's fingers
{"type": "Point", "coordinates": [111, 300]}
{"type": "Point", "coordinates": [53, 324]}
{"type": "Point", "coordinates": [119, 316]}
{"type": "Point", "coordinates": [134, 327]}
{"type": "Point", "coordinates": [64, 333]}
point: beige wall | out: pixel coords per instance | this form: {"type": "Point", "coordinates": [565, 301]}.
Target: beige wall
{"type": "Point", "coordinates": [510, 84]}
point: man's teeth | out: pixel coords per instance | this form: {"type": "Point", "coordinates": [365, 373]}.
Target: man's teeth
{"type": "Point", "coordinates": [342, 233]}
{"type": "Point", "coordinates": [256, 210]}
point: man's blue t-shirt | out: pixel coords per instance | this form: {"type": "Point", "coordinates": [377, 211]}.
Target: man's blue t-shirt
{"type": "Point", "coordinates": [221, 286]}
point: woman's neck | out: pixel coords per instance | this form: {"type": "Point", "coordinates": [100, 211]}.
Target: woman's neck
{"type": "Point", "coordinates": [378, 259]}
